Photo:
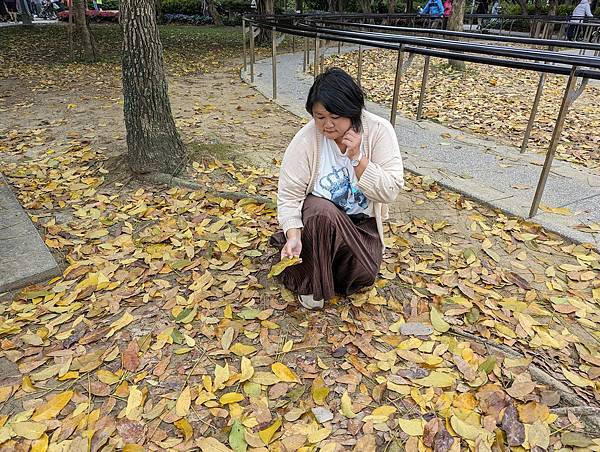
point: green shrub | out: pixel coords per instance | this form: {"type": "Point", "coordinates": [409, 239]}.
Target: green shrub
{"type": "Point", "coordinates": [110, 4]}
{"type": "Point", "coordinates": [597, 12]}
{"type": "Point", "coordinates": [189, 7]}
{"type": "Point", "coordinates": [564, 10]}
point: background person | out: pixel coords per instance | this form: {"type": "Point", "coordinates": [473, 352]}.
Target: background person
{"type": "Point", "coordinates": [580, 12]}
{"type": "Point", "coordinates": [337, 176]}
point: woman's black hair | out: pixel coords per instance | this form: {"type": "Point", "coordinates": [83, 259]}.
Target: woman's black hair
{"type": "Point", "coordinates": [337, 91]}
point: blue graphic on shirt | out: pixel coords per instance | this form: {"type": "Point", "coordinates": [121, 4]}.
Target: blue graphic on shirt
{"type": "Point", "coordinates": [342, 192]}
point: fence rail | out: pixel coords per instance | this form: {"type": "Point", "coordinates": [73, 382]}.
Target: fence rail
{"type": "Point", "coordinates": [323, 28]}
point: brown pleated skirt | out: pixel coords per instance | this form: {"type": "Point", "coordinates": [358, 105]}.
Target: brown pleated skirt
{"type": "Point", "coordinates": [340, 253]}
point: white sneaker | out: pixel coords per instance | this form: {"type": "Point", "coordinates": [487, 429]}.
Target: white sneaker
{"type": "Point", "coordinates": [309, 302]}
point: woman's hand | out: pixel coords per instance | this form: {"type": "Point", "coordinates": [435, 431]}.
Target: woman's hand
{"type": "Point", "coordinates": [293, 246]}
{"type": "Point", "coordinates": [352, 142]}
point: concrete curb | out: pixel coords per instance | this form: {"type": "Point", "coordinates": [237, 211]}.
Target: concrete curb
{"type": "Point", "coordinates": [24, 257]}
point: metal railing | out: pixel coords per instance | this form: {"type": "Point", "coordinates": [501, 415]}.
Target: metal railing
{"type": "Point", "coordinates": [320, 28]}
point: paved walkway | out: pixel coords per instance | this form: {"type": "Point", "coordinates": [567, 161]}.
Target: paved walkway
{"type": "Point", "coordinates": [482, 169]}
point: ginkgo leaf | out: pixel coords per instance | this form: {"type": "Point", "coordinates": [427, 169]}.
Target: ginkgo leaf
{"type": "Point", "coordinates": [240, 349]}
{"type": "Point", "coordinates": [120, 324]}
{"type": "Point", "coordinates": [185, 427]}
{"type": "Point", "coordinates": [319, 391]}
{"type": "Point", "coordinates": [412, 427]}
{"type": "Point", "coordinates": [287, 346]}
{"type": "Point", "coordinates": [221, 376]}
{"type": "Point", "coordinates": [437, 320]}
{"type": "Point", "coordinates": [436, 380]}
{"type": "Point", "coordinates": [184, 401]}
{"type": "Point", "coordinates": [284, 373]}
{"type": "Point", "coordinates": [247, 371]}
{"type": "Point", "coordinates": [231, 397]}
{"type": "Point", "coordinates": [286, 262]}
{"type": "Point", "coordinates": [211, 445]}
{"type": "Point", "coordinates": [576, 379]}
{"type": "Point", "coordinates": [267, 434]}
{"type": "Point", "coordinates": [29, 430]}
{"type": "Point", "coordinates": [346, 406]}
{"type": "Point", "coordinates": [237, 441]}
{"type": "Point", "coordinates": [50, 409]}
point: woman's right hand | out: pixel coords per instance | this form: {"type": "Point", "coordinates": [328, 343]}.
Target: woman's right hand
{"type": "Point", "coordinates": [293, 246]}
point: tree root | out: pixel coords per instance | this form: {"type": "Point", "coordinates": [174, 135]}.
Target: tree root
{"type": "Point", "coordinates": [590, 416]}
{"type": "Point", "coordinates": [174, 181]}
{"type": "Point", "coordinates": [537, 374]}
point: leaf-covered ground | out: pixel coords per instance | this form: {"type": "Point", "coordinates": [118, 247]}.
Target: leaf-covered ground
{"type": "Point", "coordinates": [493, 102]}
{"type": "Point", "coordinates": [165, 333]}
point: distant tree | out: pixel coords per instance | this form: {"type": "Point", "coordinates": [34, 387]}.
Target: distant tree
{"type": "Point", "coordinates": [212, 9]}
{"type": "Point", "coordinates": [456, 23]}
{"type": "Point", "coordinates": [83, 30]}
{"type": "Point", "coordinates": [153, 143]}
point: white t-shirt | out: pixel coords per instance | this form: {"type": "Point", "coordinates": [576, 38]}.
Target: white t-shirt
{"type": "Point", "coordinates": [337, 181]}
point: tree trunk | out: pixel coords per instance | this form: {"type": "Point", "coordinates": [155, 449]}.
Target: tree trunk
{"type": "Point", "coordinates": [552, 5]}
{"type": "Point", "coordinates": [159, 13]}
{"type": "Point", "coordinates": [265, 7]}
{"type": "Point", "coordinates": [455, 23]}
{"type": "Point", "coordinates": [299, 6]}
{"type": "Point", "coordinates": [523, 4]}
{"type": "Point", "coordinates": [153, 143]}
{"type": "Point", "coordinates": [365, 6]}
{"type": "Point", "coordinates": [83, 30]}
{"type": "Point", "coordinates": [391, 6]}
{"type": "Point", "coordinates": [212, 10]}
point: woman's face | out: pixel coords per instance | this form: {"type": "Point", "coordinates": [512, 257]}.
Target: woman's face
{"type": "Point", "coordinates": [331, 126]}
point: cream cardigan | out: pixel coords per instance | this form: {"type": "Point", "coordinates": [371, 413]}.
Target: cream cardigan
{"type": "Point", "coordinates": [381, 181]}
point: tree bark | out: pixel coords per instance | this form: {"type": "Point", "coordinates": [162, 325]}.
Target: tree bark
{"type": "Point", "coordinates": [212, 9]}
{"type": "Point", "coordinates": [455, 23]}
{"type": "Point", "coordinates": [83, 30]}
{"type": "Point", "coordinates": [265, 7]}
{"type": "Point", "coordinates": [153, 143]}
{"type": "Point", "coordinates": [365, 5]}
{"type": "Point", "coordinates": [523, 4]}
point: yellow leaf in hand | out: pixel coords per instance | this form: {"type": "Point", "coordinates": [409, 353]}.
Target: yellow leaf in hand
{"type": "Point", "coordinates": [280, 266]}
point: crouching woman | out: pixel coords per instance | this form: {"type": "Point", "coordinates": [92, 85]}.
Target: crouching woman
{"type": "Point", "coordinates": [337, 176]}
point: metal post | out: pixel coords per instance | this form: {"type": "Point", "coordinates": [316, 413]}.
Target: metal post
{"type": "Point", "coordinates": [244, 43]}
{"type": "Point", "coordinates": [293, 43]}
{"type": "Point", "coordinates": [560, 121]}
{"type": "Point", "coordinates": [397, 84]}
{"type": "Point", "coordinates": [339, 47]}
{"type": "Point", "coordinates": [251, 53]}
{"type": "Point", "coordinates": [423, 88]}
{"type": "Point", "coordinates": [274, 62]}
{"type": "Point", "coordinates": [360, 56]}
{"type": "Point", "coordinates": [305, 55]}
{"type": "Point", "coordinates": [316, 61]}
{"type": "Point", "coordinates": [534, 108]}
